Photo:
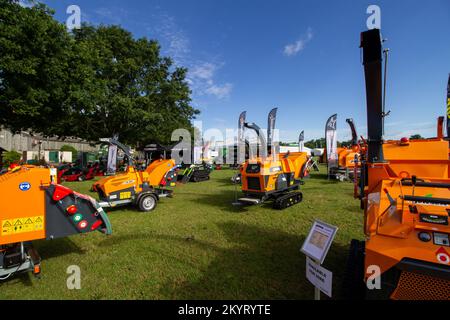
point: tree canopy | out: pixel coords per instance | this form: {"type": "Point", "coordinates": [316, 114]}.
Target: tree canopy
{"type": "Point", "coordinates": [94, 82]}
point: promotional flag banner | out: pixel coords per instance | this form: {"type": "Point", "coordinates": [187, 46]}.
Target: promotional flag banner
{"type": "Point", "coordinates": [270, 128]}
{"type": "Point", "coordinates": [301, 139]}
{"type": "Point", "coordinates": [241, 138]}
{"type": "Point", "coordinates": [331, 142]}
{"type": "Point", "coordinates": [112, 160]}
{"type": "Point", "coordinates": [448, 107]}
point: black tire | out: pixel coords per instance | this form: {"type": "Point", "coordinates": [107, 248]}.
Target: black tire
{"type": "Point", "coordinates": [147, 202]}
{"type": "Point", "coordinates": [354, 287]}
{"type": "Point", "coordinates": [81, 178]}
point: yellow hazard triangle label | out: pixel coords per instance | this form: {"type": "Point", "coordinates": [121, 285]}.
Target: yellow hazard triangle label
{"type": "Point", "coordinates": [20, 225]}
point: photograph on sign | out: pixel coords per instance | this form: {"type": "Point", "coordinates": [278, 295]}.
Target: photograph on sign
{"type": "Point", "coordinates": [319, 240]}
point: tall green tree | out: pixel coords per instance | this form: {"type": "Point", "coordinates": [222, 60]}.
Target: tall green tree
{"type": "Point", "coordinates": [132, 91]}
{"type": "Point", "coordinates": [95, 82]}
{"type": "Point", "coordinates": [33, 67]}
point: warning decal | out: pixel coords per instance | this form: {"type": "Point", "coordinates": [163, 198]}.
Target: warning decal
{"type": "Point", "coordinates": [21, 225]}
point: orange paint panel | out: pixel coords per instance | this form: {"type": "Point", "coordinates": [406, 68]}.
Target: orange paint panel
{"type": "Point", "coordinates": [22, 197]}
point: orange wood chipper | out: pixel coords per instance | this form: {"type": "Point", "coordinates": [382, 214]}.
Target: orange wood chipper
{"type": "Point", "coordinates": [135, 187]}
{"type": "Point", "coordinates": [33, 207]}
{"type": "Point", "coordinates": [406, 200]}
{"type": "Point", "coordinates": [348, 158]}
{"type": "Point", "coordinates": [272, 176]}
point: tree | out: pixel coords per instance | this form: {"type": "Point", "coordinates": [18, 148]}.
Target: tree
{"type": "Point", "coordinates": [94, 83]}
{"type": "Point", "coordinates": [416, 137]}
{"type": "Point", "coordinates": [9, 157]}
{"type": "Point", "coordinates": [317, 143]}
{"type": "Point", "coordinates": [33, 67]}
{"type": "Point", "coordinates": [133, 92]}
{"type": "Point", "coordinates": [70, 149]}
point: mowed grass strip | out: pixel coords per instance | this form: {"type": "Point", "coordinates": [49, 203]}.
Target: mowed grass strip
{"type": "Point", "coordinates": [198, 246]}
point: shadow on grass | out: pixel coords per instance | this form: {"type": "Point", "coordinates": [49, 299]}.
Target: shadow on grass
{"type": "Point", "coordinates": [223, 200]}
{"type": "Point", "coordinates": [55, 248]}
{"type": "Point", "coordinates": [47, 249]}
{"type": "Point", "coordinates": [263, 264]}
{"type": "Point", "coordinates": [23, 277]}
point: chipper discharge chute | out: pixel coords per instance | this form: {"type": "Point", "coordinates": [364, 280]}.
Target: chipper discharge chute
{"type": "Point", "coordinates": [406, 200]}
{"type": "Point", "coordinates": [134, 187]}
{"type": "Point", "coordinates": [272, 177]}
{"type": "Point", "coordinates": [33, 207]}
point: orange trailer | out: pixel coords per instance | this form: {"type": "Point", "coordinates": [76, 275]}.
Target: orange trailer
{"type": "Point", "coordinates": [135, 187]}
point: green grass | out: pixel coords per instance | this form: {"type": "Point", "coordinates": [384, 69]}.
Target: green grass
{"type": "Point", "coordinates": [198, 246]}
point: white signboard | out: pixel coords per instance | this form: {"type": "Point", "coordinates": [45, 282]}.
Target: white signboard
{"type": "Point", "coordinates": [319, 240]}
{"type": "Point", "coordinates": [320, 277]}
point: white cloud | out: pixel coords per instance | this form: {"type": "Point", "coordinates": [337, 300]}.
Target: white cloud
{"type": "Point", "coordinates": [293, 49]}
{"type": "Point", "coordinates": [174, 38]}
{"type": "Point", "coordinates": [202, 80]}
{"type": "Point", "coordinates": [220, 91]}
{"type": "Point", "coordinates": [204, 71]}
{"type": "Point", "coordinates": [202, 74]}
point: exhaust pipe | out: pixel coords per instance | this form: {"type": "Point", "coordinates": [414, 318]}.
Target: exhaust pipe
{"type": "Point", "coordinates": [372, 60]}
{"type": "Point", "coordinates": [270, 129]}
{"type": "Point", "coordinates": [353, 129]}
{"type": "Point", "coordinates": [440, 127]}
{"type": "Point", "coordinates": [261, 138]}
{"type": "Point", "coordinates": [448, 107]}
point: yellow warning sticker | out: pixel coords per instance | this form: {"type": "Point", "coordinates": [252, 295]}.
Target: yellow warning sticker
{"type": "Point", "coordinates": [21, 225]}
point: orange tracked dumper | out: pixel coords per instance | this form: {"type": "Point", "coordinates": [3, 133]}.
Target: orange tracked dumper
{"type": "Point", "coordinates": [33, 207]}
{"type": "Point", "coordinates": [272, 177]}
{"type": "Point", "coordinates": [406, 199]}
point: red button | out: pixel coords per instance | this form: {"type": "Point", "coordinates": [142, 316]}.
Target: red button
{"type": "Point", "coordinates": [82, 224]}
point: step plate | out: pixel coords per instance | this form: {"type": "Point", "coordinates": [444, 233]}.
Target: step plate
{"type": "Point", "coordinates": [250, 200]}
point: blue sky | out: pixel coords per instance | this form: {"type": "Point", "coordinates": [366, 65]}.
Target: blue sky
{"type": "Point", "coordinates": [299, 56]}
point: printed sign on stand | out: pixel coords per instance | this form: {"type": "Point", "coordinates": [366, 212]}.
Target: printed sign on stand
{"type": "Point", "coordinates": [316, 248]}
{"type": "Point", "coordinates": [319, 240]}
{"type": "Point", "coordinates": [320, 277]}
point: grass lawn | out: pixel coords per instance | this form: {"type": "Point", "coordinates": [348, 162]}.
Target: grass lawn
{"type": "Point", "coordinates": [198, 246]}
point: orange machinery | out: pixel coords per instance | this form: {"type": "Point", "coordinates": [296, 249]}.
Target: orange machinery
{"type": "Point", "coordinates": [272, 177]}
{"type": "Point", "coordinates": [347, 157]}
{"type": "Point", "coordinates": [140, 188]}
{"type": "Point", "coordinates": [33, 207]}
{"type": "Point", "coordinates": [406, 199]}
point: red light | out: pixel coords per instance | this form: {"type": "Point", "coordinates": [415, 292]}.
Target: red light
{"type": "Point", "coordinates": [404, 140]}
{"type": "Point", "coordinates": [72, 209]}
{"type": "Point", "coordinates": [82, 224]}
{"type": "Point", "coordinates": [61, 192]}
{"type": "Point", "coordinates": [96, 224]}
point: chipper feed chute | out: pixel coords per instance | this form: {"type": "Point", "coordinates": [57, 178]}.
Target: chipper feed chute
{"type": "Point", "coordinates": [33, 207]}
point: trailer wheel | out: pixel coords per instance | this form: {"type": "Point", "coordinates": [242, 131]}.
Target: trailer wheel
{"type": "Point", "coordinates": [81, 178]}
{"type": "Point", "coordinates": [147, 202]}
{"type": "Point", "coordinates": [354, 287]}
